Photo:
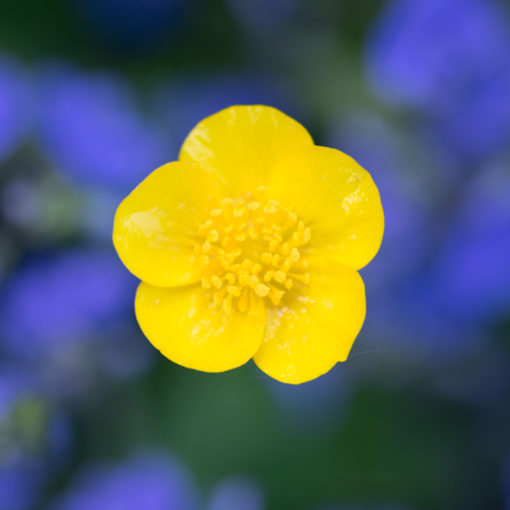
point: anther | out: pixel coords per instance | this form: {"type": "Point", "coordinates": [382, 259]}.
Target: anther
{"type": "Point", "coordinates": [280, 276]}
{"type": "Point", "coordinates": [268, 276]}
{"type": "Point", "coordinates": [254, 244]}
{"type": "Point", "coordinates": [275, 260]}
{"type": "Point", "coordinates": [261, 290]}
{"type": "Point", "coordinates": [213, 236]}
{"type": "Point", "coordinates": [276, 296]}
{"type": "Point", "coordinates": [233, 290]}
{"type": "Point", "coordinates": [217, 281]}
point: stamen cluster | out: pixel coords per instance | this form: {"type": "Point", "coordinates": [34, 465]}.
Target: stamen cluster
{"type": "Point", "coordinates": [250, 246]}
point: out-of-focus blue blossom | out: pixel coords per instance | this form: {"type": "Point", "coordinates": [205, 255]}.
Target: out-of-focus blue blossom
{"type": "Point", "coordinates": [237, 493]}
{"type": "Point", "coordinates": [449, 58]}
{"type": "Point", "coordinates": [13, 384]}
{"type": "Point", "coordinates": [33, 440]}
{"type": "Point", "coordinates": [186, 102]}
{"type": "Point", "coordinates": [261, 16]}
{"type": "Point", "coordinates": [377, 147]}
{"type": "Point", "coordinates": [58, 300]}
{"type": "Point", "coordinates": [92, 130]}
{"type": "Point", "coordinates": [408, 320]}
{"type": "Point", "coordinates": [131, 24]}
{"type": "Point", "coordinates": [314, 403]}
{"type": "Point", "coordinates": [427, 310]}
{"type": "Point", "coordinates": [15, 105]}
{"type": "Point", "coordinates": [21, 482]}
{"type": "Point", "coordinates": [146, 481]}
{"type": "Point", "coordinates": [477, 123]}
{"type": "Point", "coordinates": [428, 53]}
{"type": "Point", "coordinates": [471, 277]}
{"type": "Point", "coordinates": [69, 315]}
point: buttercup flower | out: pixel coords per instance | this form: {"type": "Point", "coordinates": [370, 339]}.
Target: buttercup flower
{"type": "Point", "coordinates": [249, 246]}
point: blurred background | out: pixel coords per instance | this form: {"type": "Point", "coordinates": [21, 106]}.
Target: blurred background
{"type": "Point", "coordinates": [94, 95]}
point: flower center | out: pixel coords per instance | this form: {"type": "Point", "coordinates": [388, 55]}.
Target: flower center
{"type": "Point", "coordinates": [250, 247]}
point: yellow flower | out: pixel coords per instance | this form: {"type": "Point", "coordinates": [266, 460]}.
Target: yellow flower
{"type": "Point", "coordinates": [249, 246]}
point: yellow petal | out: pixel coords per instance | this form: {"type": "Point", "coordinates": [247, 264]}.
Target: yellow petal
{"type": "Point", "coordinates": [155, 225]}
{"type": "Point", "coordinates": [336, 197]}
{"type": "Point", "coordinates": [306, 339]}
{"type": "Point", "coordinates": [241, 144]}
{"type": "Point", "coordinates": [182, 324]}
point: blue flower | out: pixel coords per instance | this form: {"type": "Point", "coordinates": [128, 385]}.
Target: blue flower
{"type": "Point", "coordinates": [477, 123]}
{"type": "Point", "coordinates": [146, 481]}
{"type": "Point", "coordinates": [471, 276]}
{"type": "Point", "coordinates": [427, 53]}
{"type": "Point", "coordinates": [236, 493]}
{"type": "Point", "coordinates": [15, 105]}
{"type": "Point", "coordinates": [407, 319]}
{"type": "Point", "coordinates": [58, 300]}
{"type": "Point", "coordinates": [92, 130]}
{"type": "Point", "coordinates": [34, 439]}
{"type": "Point", "coordinates": [448, 59]}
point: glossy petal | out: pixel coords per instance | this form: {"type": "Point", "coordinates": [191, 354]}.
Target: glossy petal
{"type": "Point", "coordinates": [156, 223]}
{"type": "Point", "coordinates": [307, 339]}
{"type": "Point", "coordinates": [241, 144]}
{"type": "Point", "coordinates": [182, 324]}
{"type": "Point", "coordinates": [336, 197]}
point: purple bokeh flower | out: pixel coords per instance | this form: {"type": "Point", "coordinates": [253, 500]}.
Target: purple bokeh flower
{"type": "Point", "coordinates": [448, 59]}
{"type": "Point", "coordinates": [34, 440]}
{"type": "Point", "coordinates": [471, 276]}
{"type": "Point", "coordinates": [408, 320]}
{"type": "Point", "coordinates": [236, 493]}
{"type": "Point", "coordinates": [15, 105]}
{"type": "Point", "coordinates": [146, 481]}
{"type": "Point", "coordinates": [63, 299]}
{"type": "Point", "coordinates": [92, 130]}
{"type": "Point", "coordinates": [477, 123]}
{"type": "Point", "coordinates": [69, 314]}
{"type": "Point", "coordinates": [427, 53]}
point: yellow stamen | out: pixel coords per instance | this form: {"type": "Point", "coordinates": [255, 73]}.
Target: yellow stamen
{"type": "Point", "coordinates": [261, 290]}
{"type": "Point", "coordinates": [252, 248]}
